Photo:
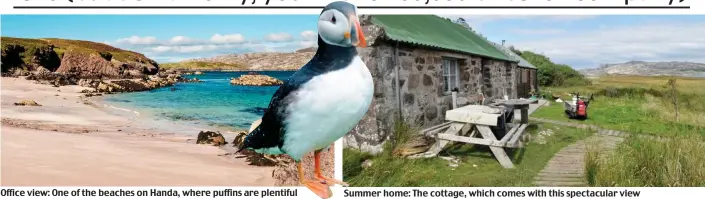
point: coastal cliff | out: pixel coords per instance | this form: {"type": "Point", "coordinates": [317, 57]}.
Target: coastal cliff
{"type": "Point", "coordinates": [259, 61]}
{"type": "Point", "coordinates": [83, 58]}
{"type": "Point", "coordinates": [60, 62]}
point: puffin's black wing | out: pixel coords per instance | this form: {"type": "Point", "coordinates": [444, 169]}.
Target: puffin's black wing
{"type": "Point", "coordinates": [270, 131]}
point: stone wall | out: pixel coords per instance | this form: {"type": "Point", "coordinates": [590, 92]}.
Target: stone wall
{"type": "Point", "coordinates": [423, 99]}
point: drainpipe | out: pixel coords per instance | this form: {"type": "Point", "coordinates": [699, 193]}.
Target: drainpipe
{"type": "Point", "coordinates": [396, 79]}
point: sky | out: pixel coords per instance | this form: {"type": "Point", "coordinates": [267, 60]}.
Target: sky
{"type": "Point", "coordinates": [581, 41]}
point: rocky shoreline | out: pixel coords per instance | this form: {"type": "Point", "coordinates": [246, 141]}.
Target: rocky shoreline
{"type": "Point", "coordinates": [101, 86]}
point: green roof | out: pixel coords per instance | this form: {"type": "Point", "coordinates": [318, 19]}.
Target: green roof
{"type": "Point", "coordinates": [522, 62]}
{"type": "Point", "coordinates": [437, 32]}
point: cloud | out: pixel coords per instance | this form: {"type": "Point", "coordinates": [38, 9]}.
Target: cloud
{"type": "Point", "coordinates": [179, 48]}
{"type": "Point", "coordinates": [306, 44]}
{"type": "Point", "coordinates": [181, 40]}
{"type": "Point", "coordinates": [161, 49]}
{"type": "Point", "coordinates": [279, 37]}
{"type": "Point", "coordinates": [663, 41]}
{"type": "Point", "coordinates": [227, 39]}
{"type": "Point", "coordinates": [188, 48]}
{"type": "Point", "coordinates": [136, 40]}
{"type": "Point", "coordinates": [309, 35]}
{"type": "Point", "coordinates": [552, 31]}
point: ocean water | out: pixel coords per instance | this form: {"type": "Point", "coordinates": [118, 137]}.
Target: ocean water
{"type": "Point", "coordinates": [214, 102]}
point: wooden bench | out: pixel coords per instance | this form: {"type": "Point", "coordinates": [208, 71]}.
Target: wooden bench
{"type": "Point", "coordinates": [472, 125]}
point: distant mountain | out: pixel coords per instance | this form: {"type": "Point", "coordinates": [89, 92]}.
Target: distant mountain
{"type": "Point", "coordinates": [641, 68]}
{"type": "Point", "coordinates": [260, 61]}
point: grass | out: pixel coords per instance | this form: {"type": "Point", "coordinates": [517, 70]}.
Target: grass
{"type": "Point", "coordinates": [643, 105]}
{"type": "Point", "coordinates": [638, 105]}
{"type": "Point", "coordinates": [198, 65]}
{"type": "Point", "coordinates": [477, 167]}
{"type": "Point", "coordinates": [639, 162]}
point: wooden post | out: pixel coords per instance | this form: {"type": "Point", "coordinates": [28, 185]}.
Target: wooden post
{"type": "Point", "coordinates": [498, 152]}
{"type": "Point", "coordinates": [455, 99]}
{"type": "Point", "coordinates": [525, 114]}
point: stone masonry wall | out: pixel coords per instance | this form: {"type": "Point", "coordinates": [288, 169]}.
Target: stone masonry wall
{"type": "Point", "coordinates": [423, 99]}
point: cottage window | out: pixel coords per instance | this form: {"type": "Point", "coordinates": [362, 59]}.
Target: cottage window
{"type": "Point", "coordinates": [450, 74]}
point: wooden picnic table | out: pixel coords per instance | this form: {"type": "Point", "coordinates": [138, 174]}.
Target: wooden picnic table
{"type": "Point", "coordinates": [462, 120]}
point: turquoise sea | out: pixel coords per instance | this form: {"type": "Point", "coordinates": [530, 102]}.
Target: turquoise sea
{"type": "Point", "coordinates": [214, 102]}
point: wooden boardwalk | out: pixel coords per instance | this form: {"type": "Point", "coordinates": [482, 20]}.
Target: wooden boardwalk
{"type": "Point", "coordinates": [567, 167]}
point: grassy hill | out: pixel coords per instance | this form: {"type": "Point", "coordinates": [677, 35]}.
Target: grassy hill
{"type": "Point", "coordinates": [552, 74]}
{"type": "Point", "coordinates": [83, 58]}
{"type": "Point", "coordinates": [63, 45]}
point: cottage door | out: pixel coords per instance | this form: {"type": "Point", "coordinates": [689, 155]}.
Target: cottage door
{"type": "Point", "coordinates": [519, 83]}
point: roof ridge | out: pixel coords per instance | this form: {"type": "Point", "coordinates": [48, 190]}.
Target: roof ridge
{"type": "Point", "coordinates": [522, 62]}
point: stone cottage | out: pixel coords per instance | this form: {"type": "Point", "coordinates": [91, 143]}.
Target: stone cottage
{"type": "Point", "coordinates": [416, 62]}
{"type": "Point", "coordinates": [526, 79]}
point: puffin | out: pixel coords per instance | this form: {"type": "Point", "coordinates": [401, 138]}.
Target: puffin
{"type": "Point", "coordinates": [322, 101]}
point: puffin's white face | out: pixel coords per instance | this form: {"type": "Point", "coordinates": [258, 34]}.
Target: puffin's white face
{"type": "Point", "coordinates": [336, 28]}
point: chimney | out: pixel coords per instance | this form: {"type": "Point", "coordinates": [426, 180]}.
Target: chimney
{"type": "Point", "coordinates": [502, 42]}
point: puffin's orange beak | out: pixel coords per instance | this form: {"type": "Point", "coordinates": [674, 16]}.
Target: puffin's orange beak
{"type": "Point", "coordinates": [358, 38]}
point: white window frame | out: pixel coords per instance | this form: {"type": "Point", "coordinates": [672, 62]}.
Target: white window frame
{"type": "Point", "coordinates": [449, 67]}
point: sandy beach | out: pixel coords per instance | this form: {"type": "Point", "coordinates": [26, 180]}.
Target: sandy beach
{"type": "Point", "coordinates": [68, 141]}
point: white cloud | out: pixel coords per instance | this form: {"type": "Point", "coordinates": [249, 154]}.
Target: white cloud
{"type": "Point", "coordinates": [136, 40]}
{"type": "Point", "coordinates": [227, 39]}
{"type": "Point", "coordinates": [186, 48]}
{"type": "Point", "coordinates": [552, 31]}
{"type": "Point", "coordinates": [160, 49]}
{"type": "Point", "coordinates": [306, 44]}
{"type": "Point", "coordinates": [665, 41]}
{"type": "Point", "coordinates": [279, 37]}
{"type": "Point", "coordinates": [309, 35]}
{"type": "Point", "coordinates": [180, 40]}
{"type": "Point", "coordinates": [181, 47]}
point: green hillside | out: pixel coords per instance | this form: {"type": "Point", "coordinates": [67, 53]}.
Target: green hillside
{"type": "Point", "coordinates": [552, 74]}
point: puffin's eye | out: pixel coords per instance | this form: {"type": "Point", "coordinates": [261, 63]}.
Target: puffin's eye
{"type": "Point", "coordinates": [333, 19]}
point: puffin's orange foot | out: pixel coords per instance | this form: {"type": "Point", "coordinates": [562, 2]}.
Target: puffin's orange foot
{"type": "Point", "coordinates": [319, 189]}
{"type": "Point", "coordinates": [331, 181]}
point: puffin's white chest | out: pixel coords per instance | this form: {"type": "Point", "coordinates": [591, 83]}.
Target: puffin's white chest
{"type": "Point", "coordinates": [327, 107]}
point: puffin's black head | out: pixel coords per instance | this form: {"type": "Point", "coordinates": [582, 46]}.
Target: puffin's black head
{"type": "Point", "coordinates": [339, 25]}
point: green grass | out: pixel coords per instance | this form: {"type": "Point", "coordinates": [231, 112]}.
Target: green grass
{"type": "Point", "coordinates": [198, 65]}
{"type": "Point", "coordinates": [624, 114]}
{"type": "Point", "coordinates": [638, 162]}
{"type": "Point", "coordinates": [477, 166]}
{"type": "Point", "coordinates": [637, 105]}
{"type": "Point", "coordinates": [643, 105]}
